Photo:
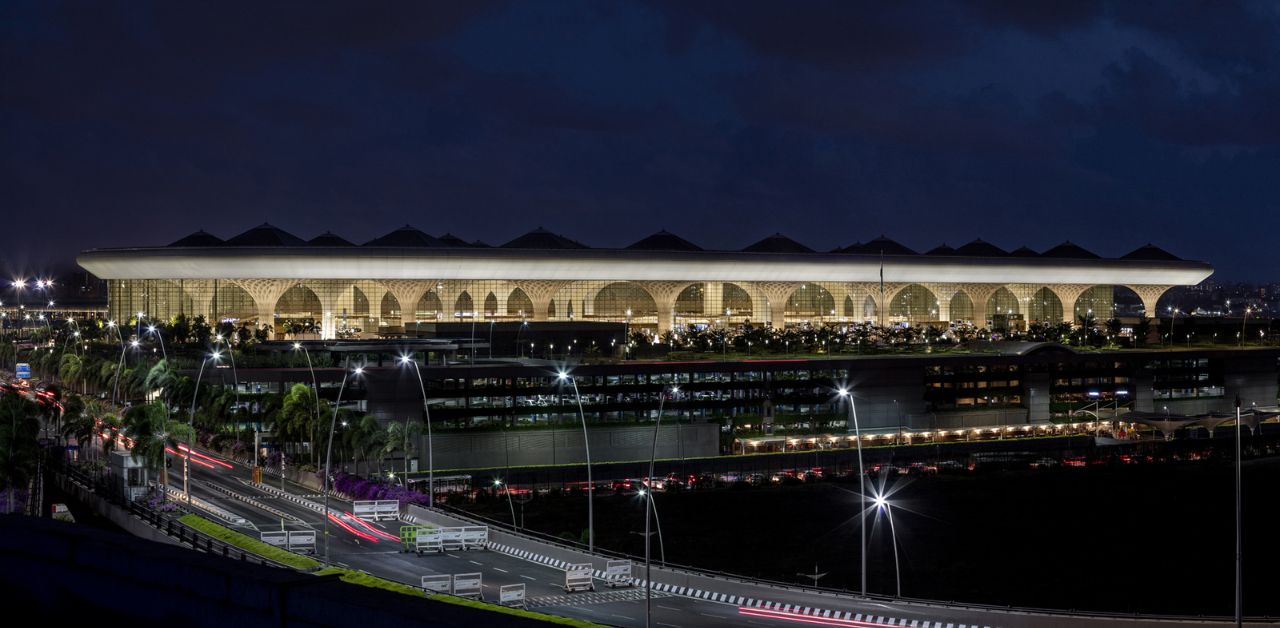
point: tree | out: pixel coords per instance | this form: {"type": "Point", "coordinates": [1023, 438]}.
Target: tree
{"type": "Point", "coordinates": [19, 428]}
{"type": "Point", "coordinates": [151, 430]}
{"type": "Point", "coordinates": [1141, 330]}
{"type": "Point", "coordinates": [296, 421]}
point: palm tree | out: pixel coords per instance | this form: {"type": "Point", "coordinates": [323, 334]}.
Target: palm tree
{"type": "Point", "coordinates": [19, 428]}
{"type": "Point", "coordinates": [402, 436]}
{"type": "Point", "coordinates": [151, 430]}
{"type": "Point", "coordinates": [70, 368]}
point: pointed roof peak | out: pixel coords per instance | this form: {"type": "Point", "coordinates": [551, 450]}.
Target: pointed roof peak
{"type": "Point", "coordinates": [265, 235]}
{"type": "Point", "coordinates": [1151, 252]}
{"type": "Point", "coordinates": [777, 243]}
{"type": "Point", "coordinates": [1067, 250]}
{"type": "Point", "coordinates": [199, 238]}
{"type": "Point", "coordinates": [406, 236]}
{"type": "Point", "coordinates": [979, 248]}
{"type": "Point", "coordinates": [543, 239]}
{"type": "Point", "coordinates": [664, 241]}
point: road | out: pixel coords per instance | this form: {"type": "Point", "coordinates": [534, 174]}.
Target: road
{"type": "Point", "coordinates": [384, 558]}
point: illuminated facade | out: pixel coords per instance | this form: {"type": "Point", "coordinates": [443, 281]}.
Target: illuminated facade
{"type": "Point", "coordinates": [330, 287]}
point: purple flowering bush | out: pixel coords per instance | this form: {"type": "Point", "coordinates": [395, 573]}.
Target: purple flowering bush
{"type": "Point", "coordinates": [360, 488]}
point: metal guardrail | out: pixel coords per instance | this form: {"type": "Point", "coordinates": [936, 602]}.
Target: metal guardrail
{"type": "Point", "coordinates": [534, 535]}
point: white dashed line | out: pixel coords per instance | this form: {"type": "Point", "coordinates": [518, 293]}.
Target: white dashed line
{"type": "Point", "coordinates": [528, 577]}
{"type": "Point", "coordinates": [668, 608]}
{"type": "Point", "coordinates": [668, 625]}
{"type": "Point", "coordinates": [501, 569]}
{"type": "Point", "coordinates": [475, 563]}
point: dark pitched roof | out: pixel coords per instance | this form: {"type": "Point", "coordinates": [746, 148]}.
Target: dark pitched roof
{"type": "Point", "coordinates": [777, 243]}
{"type": "Point", "coordinates": [664, 241]}
{"type": "Point", "coordinates": [542, 239]}
{"type": "Point", "coordinates": [978, 248]}
{"type": "Point", "coordinates": [1023, 251]}
{"type": "Point", "coordinates": [452, 240]}
{"type": "Point", "coordinates": [1068, 250]}
{"type": "Point", "coordinates": [405, 236]}
{"type": "Point", "coordinates": [943, 249]}
{"type": "Point", "coordinates": [265, 235]}
{"type": "Point", "coordinates": [199, 238]}
{"type": "Point", "coordinates": [481, 244]}
{"type": "Point", "coordinates": [877, 246]}
{"type": "Point", "coordinates": [328, 238]}
{"type": "Point", "coordinates": [1151, 252]}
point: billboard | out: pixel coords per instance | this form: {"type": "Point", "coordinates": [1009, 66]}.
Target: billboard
{"type": "Point", "coordinates": [23, 370]}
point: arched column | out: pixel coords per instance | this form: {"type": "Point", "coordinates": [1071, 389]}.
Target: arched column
{"type": "Point", "coordinates": [407, 293]}
{"type": "Point", "coordinates": [776, 293]}
{"type": "Point", "coordinates": [1150, 295]}
{"type": "Point", "coordinates": [1067, 295]}
{"type": "Point", "coordinates": [265, 293]}
{"type": "Point", "coordinates": [979, 293]}
{"type": "Point", "coordinates": [664, 295]}
{"type": "Point", "coordinates": [540, 294]}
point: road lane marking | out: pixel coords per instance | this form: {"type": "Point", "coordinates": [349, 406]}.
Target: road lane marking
{"type": "Point", "coordinates": [668, 608]}
{"type": "Point", "coordinates": [668, 625]}
{"type": "Point", "coordinates": [618, 616]}
{"type": "Point", "coordinates": [528, 577]}
{"type": "Point", "coordinates": [501, 569]}
{"type": "Point", "coordinates": [475, 563]}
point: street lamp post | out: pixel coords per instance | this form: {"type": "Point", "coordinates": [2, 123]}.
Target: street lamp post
{"type": "Point", "coordinates": [1244, 323]}
{"type": "Point", "coordinates": [115, 391]}
{"type": "Point", "coordinates": [883, 504]}
{"type": "Point", "coordinates": [862, 483]}
{"type": "Point", "coordinates": [591, 485]}
{"type": "Point", "coordinates": [650, 508]}
{"type": "Point", "coordinates": [235, 385]}
{"type": "Point", "coordinates": [315, 388]}
{"type": "Point", "coordinates": [431, 465]}
{"type": "Point", "coordinates": [328, 454]}
{"type": "Point", "coordinates": [191, 423]}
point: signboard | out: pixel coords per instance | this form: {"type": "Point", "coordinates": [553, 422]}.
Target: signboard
{"type": "Point", "coordinates": [23, 370]}
{"type": "Point", "coordinates": [511, 595]}
{"type": "Point", "coordinates": [577, 577]}
{"type": "Point", "coordinates": [440, 583]}
{"type": "Point", "coordinates": [467, 585]}
{"type": "Point", "coordinates": [617, 573]}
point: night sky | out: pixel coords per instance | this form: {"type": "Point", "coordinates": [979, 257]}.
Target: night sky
{"type": "Point", "coordinates": [1109, 124]}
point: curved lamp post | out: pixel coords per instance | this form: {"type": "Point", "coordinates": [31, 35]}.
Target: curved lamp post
{"type": "Point", "coordinates": [431, 463]}
{"type": "Point", "coordinates": [235, 385]}
{"type": "Point", "coordinates": [115, 391]}
{"type": "Point", "coordinates": [862, 484]}
{"type": "Point", "coordinates": [652, 508]}
{"type": "Point", "coordinates": [883, 504]}
{"type": "Point", "coordinates": [328, 454]}
{"type": "Point", "coordinates": [315, 388]}
{"type": "Point", "coordinates": [191, 423]}
{"type": "Point", "coordinates": [591, 485]}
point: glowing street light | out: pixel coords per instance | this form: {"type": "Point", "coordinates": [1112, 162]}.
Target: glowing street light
{"type": "Point", "coordinates": [315, 388]}
{"type": "Point", "coordinates": [862, 483]}
{"type": "Point", "coordinates": [431, 465]}
{"type": "Point", "coordinates": [563, 376]}
{"type": "Point", "coordinates": [191, 423]}
{"type": "Point", "coordinates": [328, 454]}
{"type": "Point", "coordinates": [883, 504]}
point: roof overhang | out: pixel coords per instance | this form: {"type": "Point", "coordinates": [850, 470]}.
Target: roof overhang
{"type": "Point", "coordinates": [617, 265]}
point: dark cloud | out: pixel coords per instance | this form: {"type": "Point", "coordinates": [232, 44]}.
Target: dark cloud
{"type": "Point", "coordinates": [1108, 123]}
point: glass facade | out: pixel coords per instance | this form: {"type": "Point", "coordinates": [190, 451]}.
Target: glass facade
{"type": "Point", "coordinates": [331, 308]}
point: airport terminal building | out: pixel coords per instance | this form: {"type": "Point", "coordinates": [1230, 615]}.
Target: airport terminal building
{"type": "Point", "coordinates": [383, 288]}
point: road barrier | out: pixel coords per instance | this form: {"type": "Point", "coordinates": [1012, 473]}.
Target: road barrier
{"type": "Point", "coordinates": [467, 585]}
{"type": "Point", "coordinates": [617, 573]}
{"type": "Point", "coordinates": [429, 540]}
{"type": "Point", "coordinates": [440, 583]}
{"type": "Point", "coordinates": [511, 595]}
{"type": "Point", "coordinates": [475, 537]}
{"type": "Point", "coordinates": [302, 540]}
{"type": "Point", "coordinates": [278, 538]}
{"type": "Point", "coordinates": [376, 510]}
{"type": "Point", "coordinates": [577, 577]}
{"type": "Point", "coordinates": [451, 539]}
